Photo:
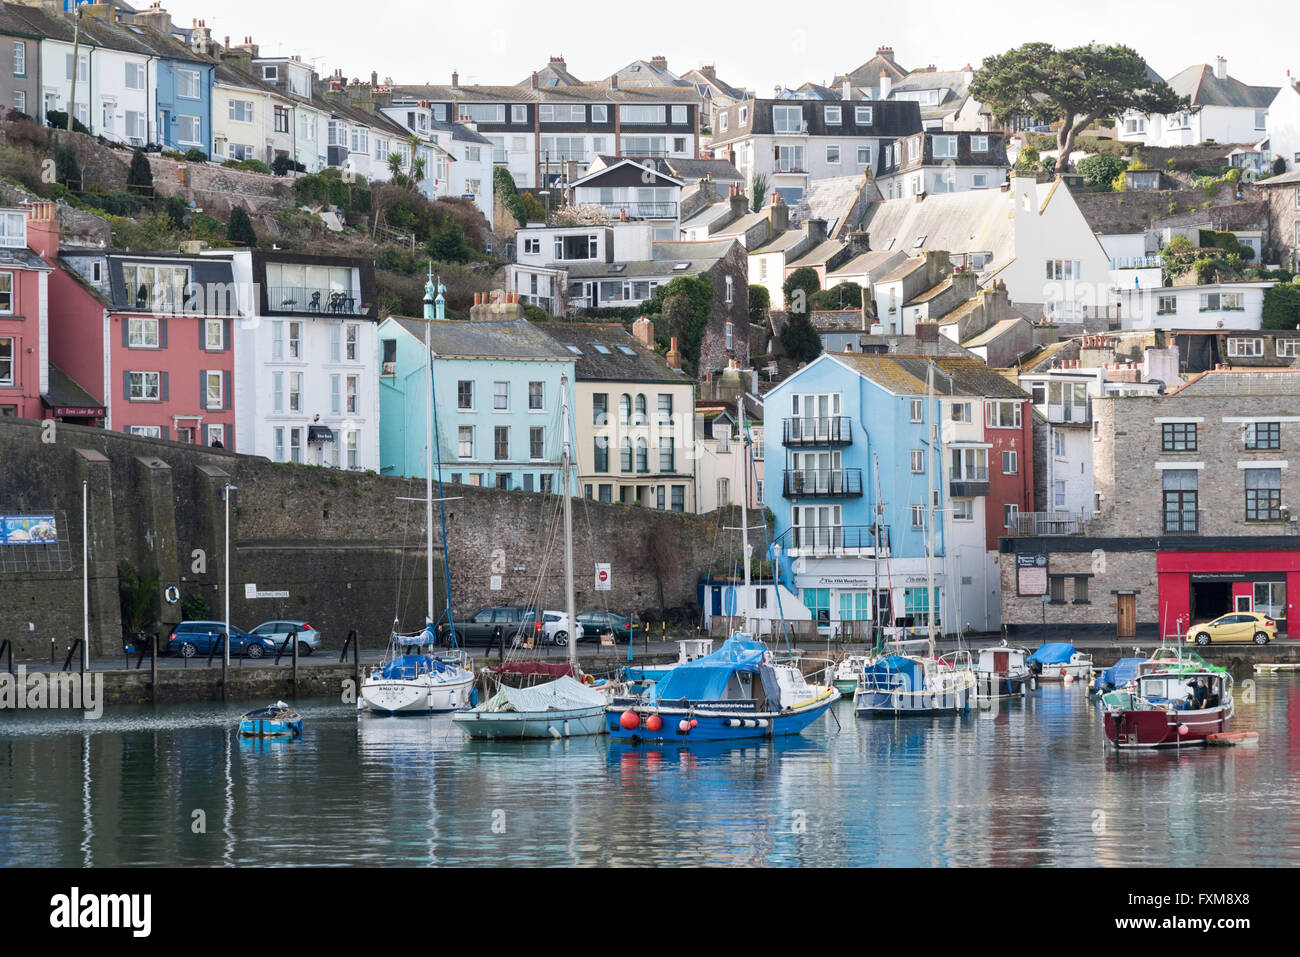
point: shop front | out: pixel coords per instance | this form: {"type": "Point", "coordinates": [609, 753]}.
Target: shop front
{"type": "Point", "coordinates": [1196, 586]}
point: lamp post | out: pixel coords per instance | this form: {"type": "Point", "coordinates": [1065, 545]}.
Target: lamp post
{"type": "Point", "coordinates": [547, 194]}
{"type": "Point", "coordinates": [225, 645]}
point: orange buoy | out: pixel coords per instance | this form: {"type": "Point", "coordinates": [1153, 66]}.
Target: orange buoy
{"type": "Point", "coordinates": [629, 720]}
{"type": "Point", "coordinates": [654, 722]}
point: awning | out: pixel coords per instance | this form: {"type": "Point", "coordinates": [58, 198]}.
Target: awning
{"type": "Point", "coordinates": [66, 398]}
{"type": "Point", "coordinates": [319, 433]}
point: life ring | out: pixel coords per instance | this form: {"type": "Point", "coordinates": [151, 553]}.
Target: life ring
{"type": "Point", "coordinates": [588, 680]}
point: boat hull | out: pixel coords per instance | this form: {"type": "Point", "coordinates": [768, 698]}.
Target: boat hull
{"type": "Point", "coordinates": [270, 728]}
{"type": "Point", "coordinates": [716, 725]}
{"type": "Point", "coordinates": [893, 703]}
{"type": "Point", "coordinates": [989, 685]}
{"type": "Point", "coordinates": [389, 696]}
{"type": "Point", "coordinates": [846, 686]}
{"type": "Point", "coordinates": [572, 723]}
{"type": "Point", "coordinates": [1075, 671]}
{"type": "Point", "coordinates": [1155, 728]}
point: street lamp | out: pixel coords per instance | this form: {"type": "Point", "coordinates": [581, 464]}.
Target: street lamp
{"type": "Point", "coordinates": [547, 194]}
{"type": "Point", "coordinates": [225, 645]}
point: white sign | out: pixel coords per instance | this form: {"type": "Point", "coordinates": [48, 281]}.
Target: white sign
{"type": "Point", "coordinates": [602, 576]}
{"type": "Point", "coordinates": [250, 591]}
{"type": "Point", "coordinates": [494, 583]}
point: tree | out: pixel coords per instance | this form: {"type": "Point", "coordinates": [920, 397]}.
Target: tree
{"type": "Point", "coordinates": [1072, 87]}
{"type": "Point", "coordinates": [799, 339]}
{"type": "Point", "coordinates": [662, 555]}
{"type": "Point", "coordinates": [760, 301]}
{"type": "Point", "coordinates": [846, 295]}
{"type": "Point", "coordinates": [1027, 159]}
{"type": "Point", "coordinates": [138, 596]}
{"type": "Point", "coordinates": [66, 168]}
{"type": "Point", "coordinates": [139, 178]}
{"type": "Point", "coordinates": [758, 191]}
{"type": "Point", "coordinates": [799, 288]}
{"type": "Point", "coordinates": [1100, 170]}
{"type": "Point", "coordinates": [1279, 165]}
{"type": "Point", "coordinates": [1282, 307]}
{"type": "Point", "coordinates": [240, 230]}
{"type": "Point", "coordinates": [1178, 256]}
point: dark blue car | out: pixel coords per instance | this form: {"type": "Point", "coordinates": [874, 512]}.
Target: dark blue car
{"type": "Point", "coordinates": [191, 638]}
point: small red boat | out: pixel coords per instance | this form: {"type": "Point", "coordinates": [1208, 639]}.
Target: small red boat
{"type": "Point", "coordinates": [1169, 709]}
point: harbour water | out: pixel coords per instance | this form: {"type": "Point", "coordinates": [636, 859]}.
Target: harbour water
{"type": "Point", "coordinates": [1033, 784]}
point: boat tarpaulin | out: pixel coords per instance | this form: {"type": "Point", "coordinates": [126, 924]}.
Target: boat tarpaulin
{"type": "Point", "coordinates": [425, 637]}
{"type": "Point", "coordinates": [562, 694]}
{"type": "Point", "coordinates": [893, 671]}
{"type": "Point", "coordinates": [705, 679]}
{"type": "Point", "coordinates": [409, 667]}
{"type": "Point", "coordinates": [1119, 674]}
{"type": "Point", "coordinates": [1053, 653]}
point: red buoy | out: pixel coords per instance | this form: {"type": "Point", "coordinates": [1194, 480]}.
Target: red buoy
{"type": "Point", "coordinates": [694, 722]}
{"type": "Point", "coordinates": [629, 720]}
{"type": "Point", "coordinates": [654, 722]}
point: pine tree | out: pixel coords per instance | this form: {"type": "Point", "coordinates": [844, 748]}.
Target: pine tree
{"type": "Point", "coordinates": [139, 178]}
{"type": "Point", "coordinates": [240, 229]}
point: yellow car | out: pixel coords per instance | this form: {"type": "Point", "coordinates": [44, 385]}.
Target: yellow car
{"type": "Point", "coordinates": [1237, 626]}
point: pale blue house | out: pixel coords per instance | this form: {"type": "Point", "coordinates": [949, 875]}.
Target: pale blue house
{"type": "Point", "coordinates": [497, 398]}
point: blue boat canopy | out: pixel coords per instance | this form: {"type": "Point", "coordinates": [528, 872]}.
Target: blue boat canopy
{"type": "Point", "coordinates": [705, 679]}
{"type": "Point", "coordinates": [408, 667]}
{"type": "Point", "coordinates": [1120, 673]}
{"type": "Point", "coordinates": [1053, 653]}
{"type": "Point", "coordinates": [894, 671]}
{"type": "Point", "coordinates": [426, 637]}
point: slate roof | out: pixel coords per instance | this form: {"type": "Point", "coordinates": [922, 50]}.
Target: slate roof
{"type": "Point", "coordinates": [1205, 89]}
{"type": "Point", "coordinates": [639, 71]}
{"type": "Point", "coordinates": [644, 365]}
{"type": "Point", "coordinates": [64, 392]}
{"type": "Point", "coordinates": [977, 220]}
{"type": "Point", "coordinates": [866, 262]}
{"type": "Point", "coordinates": [820, 254]}
{"type": "Point", "coordinates": [461, 339]}
{"type": "Point", "coordinates": [902, 270]}
{"type": "Point", "coordinates": [687, 169]}
{"type": "Point", "coordinates": [586, 93]}
{"type": "Point", "coordinates": [954, 375]}
{"type": "Point", "coordinates": [555, 73]}
{"type": "Point", "coordinates": [701, 80]}
{"type": "Point", "coordinates": [993, 332]}
{"type": "Point", "coordinates": [1243, 382]}
{"type": "Point", "coordinates": [22, 257]}
{"type": "Point", "coordinates": [1286, 179]}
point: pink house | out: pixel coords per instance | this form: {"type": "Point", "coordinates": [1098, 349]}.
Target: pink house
{"type": "Point", "coordinates": [24, 320]}
{"type": "Point", "coordinates": [150, 336]}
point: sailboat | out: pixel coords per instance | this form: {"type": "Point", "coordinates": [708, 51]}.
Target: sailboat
{"type": "Point", "coordinates": [561, 708]}
{"type": "Point", "coordinates": [411, 679]}
{"type": "Point", "coordinates": [903, 683]}
{"type": "Point", "coordinates": [738, 692]}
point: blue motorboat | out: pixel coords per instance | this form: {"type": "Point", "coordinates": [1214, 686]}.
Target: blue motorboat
{"type": "Point", "coordinates": [277, 721]}
{"type": "Point", "coordinates": [897, 685]}
{"type": "Point", "coordinates": [733, 694]}
{"type": "Point", "coordinates": [1058, 661]}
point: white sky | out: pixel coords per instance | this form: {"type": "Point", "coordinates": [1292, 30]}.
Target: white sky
{"type": "Point", "coordinates": [502, 41]}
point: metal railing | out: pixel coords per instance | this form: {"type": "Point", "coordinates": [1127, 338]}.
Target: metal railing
{"type": "Point", "coordinates": [971, 475]}
{"type": "Point", "coordinates": [641, 210]}
{"type": "Point", "coordinates": [313, 300]}
{"type": "Point", "coordinates": [1135, 262]}
{"type": "Point", "coordinates": [1183, 521]}
{"type": "Point", "coordinates": [819, 430]}
{"type": "Point", "coordinates": [1067, 413]}
{"type": "Point", "coordinates": [823, 482]}
{"type": "Point", "coordinates": [836, 540]}
{"type": "Point", "coordinates": [1033, 524]}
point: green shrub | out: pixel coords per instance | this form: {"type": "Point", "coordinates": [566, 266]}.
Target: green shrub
{"type": "Point", "coordinates": [196, 155]}
{"type": "Point", "coordinates": [59, 120]}
{"type": "Point", "coordinates": [1101, 170]}
{"type": "Point", "coordinates": [252, 166]}
{"type": "Point", "coordinates": [139, 178]}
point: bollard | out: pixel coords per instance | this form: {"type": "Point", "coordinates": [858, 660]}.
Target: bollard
{"type": "Point", "coordinates": [499, 633]}
{"type": "Point", "coordinates": [663, 631]}
{"type": "Point", "coordinates": [153, 668]}
{"type": "Point", "coordinates": [293, 636]}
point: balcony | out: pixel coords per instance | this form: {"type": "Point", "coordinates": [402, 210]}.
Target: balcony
{"type": "Point", "coordinates": [1183, 521]}
{"type": "Point", "coordinates": [1068, 414]}
{"type": "Point", "coordinates": [640, 210]}
{"type": "Point", "coordinates": [855, 541]}
{"type": "Point", "coordinates": [314, 300]}
{"type": "Point", "coordinates": [823, 483]}
{"type": "Point", "coordinates": [969, 483]}
{"type": "Point", "coordinates": [1135, 262]}
{"type": "Point", "coordinates": [823, 430]}
{"type": "Point", "coordinates": [1036, 524]}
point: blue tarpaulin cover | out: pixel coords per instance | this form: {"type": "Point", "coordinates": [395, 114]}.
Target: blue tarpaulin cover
{"type": "Point", "coordinates": [411, 666]}
{"type": "Point", "coordinates": [426, 637]}
{"type": "Point", "coordinates": [1119, 674]}
{"type": "Point", "coordinates": [893, 671]}
{"type": "Point", "coordinates": [705, 679]}
{"type": "Point", "coordinates": [1053, 653]}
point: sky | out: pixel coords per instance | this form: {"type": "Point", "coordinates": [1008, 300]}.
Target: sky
{"type": "Point", "coordinates": [500, 42]}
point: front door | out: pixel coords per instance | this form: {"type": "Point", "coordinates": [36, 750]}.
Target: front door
{"type": "Point", "coordinates": [1126, 616]}
{"type": "Point", "coordinates": [1243, 603]}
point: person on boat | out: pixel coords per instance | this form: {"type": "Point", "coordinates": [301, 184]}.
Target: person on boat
{"type": "Point", "coordinates": [1200, 695]}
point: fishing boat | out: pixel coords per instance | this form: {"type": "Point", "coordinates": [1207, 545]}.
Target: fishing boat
{"type": "Point", "coordinates": [411, 679]}
{"type": "Point", "coordinates": [1118, 676]}
{"type": "Point", "coordinates": [898, 684]}
{"type": "Point", "coordinates": [1169, 709]}
{"type": "Point", "coordinates": [1058, 661]}
{"type": "Point", "coordinates": [847, 672]}
{"type": "Point", "coordinates": [569, 706]}
{"type": "Point", "coordinates": [277, 721]}
{"type": "Point", "coordinates": [735, 693]}
{"type": "Point", "coordinates": [1003, 672]}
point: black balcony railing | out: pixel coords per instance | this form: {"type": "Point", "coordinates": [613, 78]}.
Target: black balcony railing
{"type": "Point", "coordinates": [313, 300]}
{"type": "Point", "coordinates": [836, 539]}
{"type": "Point", "coordinates": [824, 483]}
{"type": "Point", "coordinates": [1183, 521]}
{"type": "Point", "coordinates": [819, 430]}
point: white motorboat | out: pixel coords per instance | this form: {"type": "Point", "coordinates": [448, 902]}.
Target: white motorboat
{"type": "Point", "coordinates": [1003, 672]}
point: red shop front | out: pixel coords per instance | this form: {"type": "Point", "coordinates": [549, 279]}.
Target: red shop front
{"type": "Point", "coordinates": [1198, 586]}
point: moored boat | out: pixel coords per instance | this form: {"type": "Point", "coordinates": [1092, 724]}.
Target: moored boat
{"type": "Point", "coordinates": [1058, 661]}
{"type": "Point", "coordinates": [561, 708]}
{"type": "Point", "coordinates": [906, 685]}
{"type": "Point", "coordinates": [411, 681]}
{"type": "Point", "coordinates": [276, 721]}
{"type": "Point", "coordinates": [1169, 709]}
{"type": "Point", "coordinates": [1003, 672]}
{"type": "Point", "coordinates": [848, 672]}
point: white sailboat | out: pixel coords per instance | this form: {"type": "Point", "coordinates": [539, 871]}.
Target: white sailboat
{"type": "Point", "coordinates": [562, 708]}
{"type": "Point", "coordinates": [411, 680]}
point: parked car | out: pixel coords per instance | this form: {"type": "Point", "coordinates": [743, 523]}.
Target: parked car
{"type": "Point", "coordinates": [596, 623]}
{"type": "Point", "coordinates": [555, 625]}
{"type": "Point", "coordinates": [191, 638]}
{"type": "Point", "coordinates": [308, 637]}
{"type": "Point", "coordinates": [480, 629]}
{"type": "Point", "coordinates": [1237, 626]}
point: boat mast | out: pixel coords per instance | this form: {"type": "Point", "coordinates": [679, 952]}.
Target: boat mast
{"type": "Point", "coordinates": [429, 292]}
{"type": "Point", "coordinates": [565, 461]}
{"type": "Point", "coordinates": [929, 552]}
{"type": "Point", "coordinates": [744, 516]}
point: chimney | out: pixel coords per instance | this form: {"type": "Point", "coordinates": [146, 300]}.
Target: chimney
{"type": "Point", "coordinates": [927, 331]}
{"type": "Point", "coordinates": [559, 64]}
{"type": "Point", "coordinates": [739, 202]}
{"type": "Point", "coordinates": [885, 53]}
{"type": "Point", "coordinates": [643, 330]}
{"type": "Point", "coordinates": [816, 230]}
{"type": "Point", "coordinates": [964, 284]}
{"type": "Point", "coordinates": [937, 267]}
{"type": "Point", "coordinates": [846, 91]}
{"type": "Point", "coordinates": [613, 81]}
{"type": "Point", "coordinates": [659, 62]}
{"type": "Point", "coordinates": [711, 72]}
{"type": "Point", "coordinates": [778, 215]}
{"type": "Point", "coordinates": [42, 228]}
{"type": "Point", "coordinates": [674, 357]}
{"type": "Point", "coordinates": [533, 84]}
{"type": "Point", "coordinates": [455, 80]}
{"type": "Point", "coordinates": [886, 85]}
{"type": "Point", "coordinates": [968, 74]}
{"type": "Point", "coordinates": [1220, 68]}
{"type": "Point", "coordinates": [859, 242]}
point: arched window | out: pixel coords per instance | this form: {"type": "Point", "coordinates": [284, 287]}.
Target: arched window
{"type": "Point", "coordinates": [640, 410]}
{"type": "Point", "coordinates": [625, 409]}
{"type": "Point", "coordinates": [626, 455]}
{"type": "Point", "coordinates": [642, 456]}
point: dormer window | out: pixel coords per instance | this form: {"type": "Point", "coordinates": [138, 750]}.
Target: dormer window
{"type": "Point", "coordinates": [13, 230]}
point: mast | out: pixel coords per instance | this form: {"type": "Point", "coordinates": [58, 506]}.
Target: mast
{"type": "Point", "coordinates": [929, 552]}
{"type": "Point", "coordinates": [565, 460]}
{"type": "Point", "coordinates": [429, 313]}
{"type": "Point", "coordinates": [877, 514]}
{"type": "Point", "coordinates": [744, 512]}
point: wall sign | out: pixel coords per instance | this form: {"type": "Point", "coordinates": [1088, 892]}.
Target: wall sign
{"type": "Point", "coordinates": [250, 591]}
{"type": "Point", "coordinates": [1031, 575]}
{"type": "Point", "coordinates": [602, 576]}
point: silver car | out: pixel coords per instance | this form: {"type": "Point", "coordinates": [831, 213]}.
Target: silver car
{"type": "Point", "coordinates": [555, 625]}
{"type": "Point", "coordinates": [308, 637]}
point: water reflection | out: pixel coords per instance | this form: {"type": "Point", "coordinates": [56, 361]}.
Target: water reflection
{"type": "Point", "coordinates": [1030, 782]}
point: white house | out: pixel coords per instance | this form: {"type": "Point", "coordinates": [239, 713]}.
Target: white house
{"type": "Point", "coordinates": [1225, 111]}
{"type": "Point", "coordinates": [1229, 305]}
{"type": "Point", "coordinates": [1284, 123]}
{"type": "Point", "coordinates": [632, 190]}
{"type": "Point", "coordinates": [1063, 398]}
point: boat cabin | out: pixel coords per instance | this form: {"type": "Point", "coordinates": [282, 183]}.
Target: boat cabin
{"type": "Point", "coordinates": [1002, 661]}
{"type": "Point", "coordinates": [1187, 691]}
